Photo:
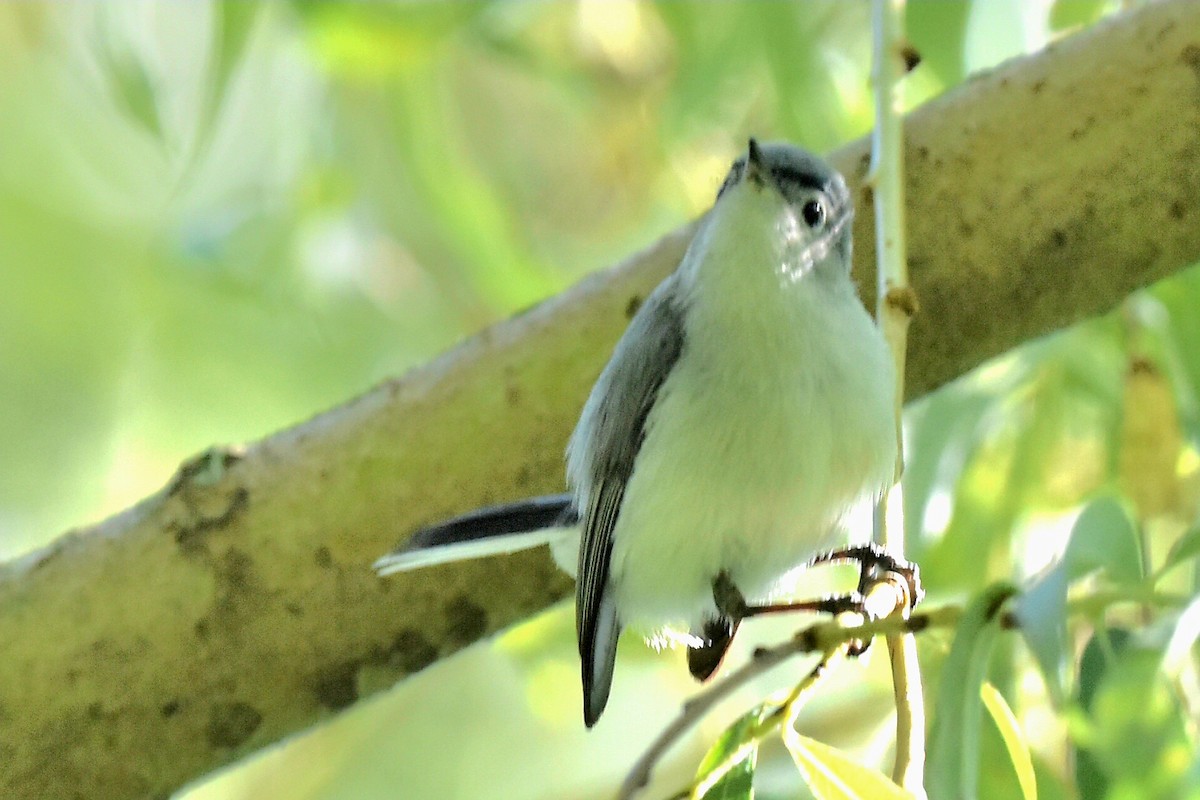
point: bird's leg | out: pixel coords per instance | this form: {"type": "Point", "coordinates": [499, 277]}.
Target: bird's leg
{"type": "Point", "coordinates": [731, 603]}
{"type": "Point", "coordinates": [874, 564]}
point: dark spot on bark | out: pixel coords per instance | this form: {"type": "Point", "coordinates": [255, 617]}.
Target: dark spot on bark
{"type": "Point", "coordinates": [231, 724]}
{"type": "Point", "coordinates": [205, 469]}
{"type": "Point", "coordinates": [411, 651]}
{"type": "Point", "coordinates": [207, 509]}
{"type": "Point", "coordinates": [201, 628]}
{"type": "Point", "coordinates": [293, 609]}
{"type": "Point", "coordinates": [1191, 57]}
{"type": "Point", "coordinates": [512, 394]}
{"type": "Point", "coordinates": [322, 557]}
{"type": "Point", "coordinates": [336, 686]}
{"type": "Point", "coordinates": [524, 476]}
{"type": "Point", "coordinates": [966, 229]}
{"type": "Point", "coordinates": [169, 709]}
{"type": "Point", "coordinates": [465, 620]}
{"type": "Point", "coordinates": [1077, 133]}
{"type": "Point", "coordinates": [1038, 85]}
{"type": "Point", "coordinates": [95, 711]}
{"type": "Point", "coordinates": [203, 495]}
{"type": "Point", "coordinates": [1058, 238]}
{"type": "Point", "coordinates": [868, 196]}
{"type": "Point", "coordinates": [1178, 209]}
{"type": "Point", "coordinates": [234, 571]}
{"type": "Point", "coordinates": [911, 56]}
{"type": "Point", "coordinates": [923, 152]}
{"type": "Point", "coordinates": [632, 306]}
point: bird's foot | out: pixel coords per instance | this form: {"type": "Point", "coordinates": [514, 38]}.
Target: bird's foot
{"type": "Point", "coordinates": [875, 563]}
{"type": "Point", "coordinates": [876, 566]}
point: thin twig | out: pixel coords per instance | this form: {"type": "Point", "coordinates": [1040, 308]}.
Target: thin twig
{"type": "Point", "coordinates": [822, 637]}
{"type": "Point", "coordinates": [782, 715]}
{"type": "Point", "coordinates": [895, 305]}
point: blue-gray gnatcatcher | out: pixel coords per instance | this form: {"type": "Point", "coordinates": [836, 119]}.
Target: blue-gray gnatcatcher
{"type": "Point", "coordinates": [747, 409]}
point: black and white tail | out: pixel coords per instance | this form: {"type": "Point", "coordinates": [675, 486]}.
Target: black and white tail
{"type": "Point", "coordinates": [495, 530]}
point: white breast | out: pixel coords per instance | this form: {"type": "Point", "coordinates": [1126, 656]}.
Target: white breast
{"type": "Point", "coordinates": [776, 421]}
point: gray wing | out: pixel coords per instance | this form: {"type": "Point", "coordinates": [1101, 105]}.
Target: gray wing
{"type": "Point", "coordinates": [600, 459]}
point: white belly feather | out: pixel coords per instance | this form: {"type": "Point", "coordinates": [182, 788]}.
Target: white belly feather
{"type": "Point", "coordinates": [761, 440]}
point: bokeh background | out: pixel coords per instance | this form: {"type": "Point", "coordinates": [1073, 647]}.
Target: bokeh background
{"type": "Point", "coordinates": [217, 219]}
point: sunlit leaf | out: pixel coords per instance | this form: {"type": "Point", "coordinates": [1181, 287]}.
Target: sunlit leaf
{"type": "Point", "coordinates": [234, 24]}
{"type": "Point", "coordinates": [133, 89]}
{"type": "Point", "coordinates": [1150, 439]}
{"type": "Point", "coordinates": [727, 771]}
{"type": "Point", "coordinates": [831, 775]}
{"type": "Point", "coordinates": [1104, 537]}
{"type": "Point", "coordinates": [1093, 664]}
{"type": "Point", "coordinates": [1134, 729]}
{"type": "Point", "coordinates": [942, 433]}
{"type": "Point", "coordinates": [1042, 612]}
{"type": "Point", "coordinates": [1014, 739]}
{"type": "Point", "coordinates": [1065, 14]}
{"type": "Point", "coordinates": [374, 40]}
{"type": "Point", "coordinates": [1182, 644]}
{"type": "Point", "coordinates": [995, 32]}
{"type": "Point", "coordinates": [952, 765]}
{"type": "Point", "coordinates": [1186, 547]}
{"type": "Point", "coordinates": [939, 30]}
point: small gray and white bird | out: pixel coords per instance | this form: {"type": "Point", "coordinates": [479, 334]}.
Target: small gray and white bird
{"type": "Point", "coordinates": [746, 410]}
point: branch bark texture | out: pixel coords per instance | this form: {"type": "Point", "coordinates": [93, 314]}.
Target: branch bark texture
{"type": "Point", "coordinates": [237, 605]}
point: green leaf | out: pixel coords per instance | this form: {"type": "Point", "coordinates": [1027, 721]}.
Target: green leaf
{"type": "Point", "coordinates": [233, 23]}
{"type": "Point", "coordinates": [1098, 654]}
{"type": "Point", "coordinates": [1104, 537]}
{"type": "Point", "coordinates": [1042, 612]}
{"type": "Point", "coordinates": [1178, 654]}
{"type": "Point", "coordinates": [952, 767]}
{"type": "Point", "coordinates": [1065, 14]}
{"type": "Point", "coordinates": [727, 771]}
{"type": "Point", "coordinates": [1133, 736]}
{"type": "Point", "coordinates": [939, 31]}
{"type": "Point", "coordinates": [1014, 739]}
{"type": "Point", "coordinates": [133, 90]}
{"type": "Point", "coordinates": [831, 775]}
{"type": "Point", "coordinates": [1186, 547]}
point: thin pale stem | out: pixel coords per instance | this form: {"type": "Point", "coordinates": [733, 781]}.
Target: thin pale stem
{"type": "Point", "coordinates": [895, 306]}
{"type": "Point", "coordinates": [823, 637]}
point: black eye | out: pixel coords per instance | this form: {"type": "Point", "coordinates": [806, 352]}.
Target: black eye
{"type": "Point", "coordinates": [814, 213]}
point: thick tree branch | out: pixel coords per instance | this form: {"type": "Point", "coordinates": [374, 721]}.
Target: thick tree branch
{"type": "Point", "coordinates": [238, 605]}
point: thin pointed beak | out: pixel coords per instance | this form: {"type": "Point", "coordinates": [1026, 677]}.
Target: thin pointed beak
{"type": "Point", "coordinates": [754, 161]}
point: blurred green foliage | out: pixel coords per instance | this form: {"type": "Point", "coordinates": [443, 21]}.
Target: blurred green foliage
{"type": "Point", "coordinates": [219, 218]}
